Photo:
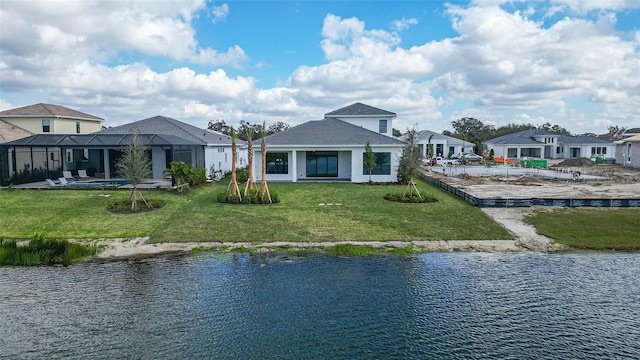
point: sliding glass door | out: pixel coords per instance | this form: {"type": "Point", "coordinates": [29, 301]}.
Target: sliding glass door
{"type": "Point", "coordinates": [322, 164]}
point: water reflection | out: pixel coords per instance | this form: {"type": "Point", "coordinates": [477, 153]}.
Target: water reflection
{"type": "Point", "coordinates": [255, 306]}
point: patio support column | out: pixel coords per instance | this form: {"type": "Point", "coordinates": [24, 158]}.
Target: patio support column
{"type": "Point", "coordinates": [294, 165]}
{"type": "Point", "coordinates": [519, 152]}
{"type": "Point", "coordinates": [107, 169]}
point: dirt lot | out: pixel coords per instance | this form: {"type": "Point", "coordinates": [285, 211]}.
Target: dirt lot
{"type": "Point", "coordinates": [614, 181]}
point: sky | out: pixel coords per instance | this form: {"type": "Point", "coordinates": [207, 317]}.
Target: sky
{"type": "Point", "coordinates": [571, 63]}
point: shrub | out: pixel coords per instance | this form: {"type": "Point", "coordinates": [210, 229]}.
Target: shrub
{"type": "Point", "coordinates": [124, 205]}
{"type": "Point", "coordinates": [242, 174]}
{"type": "Point", "coordinates": [252, 198]}
{"type": "Point", "coordinates": [198, 176]}
{"type": "Point", "coordinates": [410, 198]}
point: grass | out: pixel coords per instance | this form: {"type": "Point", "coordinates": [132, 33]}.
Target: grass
{"type": "Point", "coordinates": [591, 228]}
{"type": "Point", "coordinates": [348, 212]}
{"type": "Point", "coordinates": [41, 251]}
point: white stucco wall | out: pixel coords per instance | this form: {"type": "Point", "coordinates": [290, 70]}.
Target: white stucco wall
{"type": "Point", "coordinates": [370, 123]}
{"type": "Point", "coordinates": [349, 164]}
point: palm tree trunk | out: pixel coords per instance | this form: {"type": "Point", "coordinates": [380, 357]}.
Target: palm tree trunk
{"type": "Point", "coordinates": [249, 186]}
{"type": "Point", "coordinates": [263, 181]}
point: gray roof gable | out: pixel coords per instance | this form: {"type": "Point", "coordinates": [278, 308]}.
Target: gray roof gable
{"type": "Point", "coordinates": [45, 110]}
{"type": "Point", "coordinates": [329, 132]}
{"type": "Point", "coordinates": [162, 125]}
{"type": "Point", "coordinates": [359, 109]}
{"type": "Point", "coordinates": [97, 140]}
{"type": "Point", "coordinates": [521, 137]}
{"type": "Point", "coordinates": [425, 134]}
{"type": "Point", "coordinates": [526, 137]}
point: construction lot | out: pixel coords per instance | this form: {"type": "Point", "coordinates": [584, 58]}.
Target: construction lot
{"type": "Point", "coordinates": [575, 178]}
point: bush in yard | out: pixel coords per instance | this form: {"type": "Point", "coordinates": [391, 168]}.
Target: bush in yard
{"type": "Point", "coordinates": [410, 198]}
{"type": "Point", "coordinates": [252, 198]}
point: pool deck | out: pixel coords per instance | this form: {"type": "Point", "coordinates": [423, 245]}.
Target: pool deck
{"type": "Point", "coordinates": [149, 185]}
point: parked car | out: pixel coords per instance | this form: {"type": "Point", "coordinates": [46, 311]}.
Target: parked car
{"type": "Point", "coordinates": [470, 157]}
{"type": "Point", "coordinates": [429, 161]}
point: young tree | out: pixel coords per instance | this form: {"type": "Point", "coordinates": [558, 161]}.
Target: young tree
{"type": "Point", "coordinates": [430, 151]}
{"type": "Point", "coordinates": [134, 165]}
{"type": "Point", "coordinates": [369, 160]}
{"type": "Point", "coordinates": [410, 162]}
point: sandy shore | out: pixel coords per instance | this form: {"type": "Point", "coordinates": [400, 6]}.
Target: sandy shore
{"type": "Point", "coordinates": [512, 219]}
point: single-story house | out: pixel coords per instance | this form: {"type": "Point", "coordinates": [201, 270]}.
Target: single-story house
{"type": "Point", "coordinates": [443, 145]}
{"type": "Point", "coordinates": [548, 145]}
{"type": "Point", "coordinates": [333, 148]}
{"type": "Point", "coordinates": [628, 151]}
{"type": "Point", "coordinates": [214, 153]}
{"type": "Point", "coordinates": [43, 156]}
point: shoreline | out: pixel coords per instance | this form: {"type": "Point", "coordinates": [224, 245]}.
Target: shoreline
{"type": "Point", "coordinates": [526, 240]}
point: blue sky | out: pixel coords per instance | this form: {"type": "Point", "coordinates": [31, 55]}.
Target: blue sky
{"type": "Point", "coordinates": [572, 63]}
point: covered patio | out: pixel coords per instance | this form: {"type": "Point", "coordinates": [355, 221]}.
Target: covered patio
{"type": "Point", "coordinates": [46, 156]}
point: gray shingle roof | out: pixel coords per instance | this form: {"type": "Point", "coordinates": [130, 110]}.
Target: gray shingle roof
{"type": "Point", "coordinates": [96, 140]}
{"type": "Point", "coordinates": [162, 125]}
{"type": "Point", "coordinates": [359, 109]}
{"type": "Point", "coordinates": [526, 138]}
{"type": "Point", "coordinates": [329, 132]}
{"type": "Point", "coordinates": [424, 134]}
{"type": "Point", "coordinates": [582, 140]}
{"type": "Point", "coordinates": [521, 138]}
{"type": "Point", "coordinates": [48, 110]}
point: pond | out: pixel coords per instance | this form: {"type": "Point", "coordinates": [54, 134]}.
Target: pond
{"type": "Point", "coordinates": [258, 306]}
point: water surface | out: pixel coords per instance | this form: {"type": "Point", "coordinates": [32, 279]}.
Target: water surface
{"type": "Point", "coordinates": [430, 306]}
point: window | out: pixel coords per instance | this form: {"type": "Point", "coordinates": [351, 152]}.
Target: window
{"type": "Point", "coordinates": [322, 163]}
{"type": "Point", "coordinates": [382, 126]}
{"type": "Point", "coordinates": [383, 164]}
{"type": "Point", "coordinates": [46, 126]}
{"type": "Point", "coordinates": [452, 150]}
{"type": "Point", "coordinates": [277, 163]}
{"type": "Point", "coordinates": [77, 127]}
{"type": "Point", "coordinates": [220, 150]}
{"type": "Point", "coordinates": [597, 150]}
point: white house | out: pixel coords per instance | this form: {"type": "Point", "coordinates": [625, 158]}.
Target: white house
{"type": "Point", "coordinates": [443, 145]}
{"type": "Point", "coordinates": [628, 151]}
{"type": "Point", "coordinates": [333, 148]}
{"type": "Point", "coordinates": [548, 145]}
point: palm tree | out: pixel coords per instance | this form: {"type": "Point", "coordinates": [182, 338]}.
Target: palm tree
{"type": "Point", "coordinates": [234, 155]}
{"type": "Point", "coordinates": [249, 186]}
{"type": "Point", "coordinates": [263, 181]}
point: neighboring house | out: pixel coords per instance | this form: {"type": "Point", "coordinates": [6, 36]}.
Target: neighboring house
{"type": "Point", "coordinates": [10, 132]}
{"type": "Point", "coordinates": [443, 145]}
{"type": "Point", "coordinates": [51, 119]}
{"type": "Point", "coordinates": [168, 139]}
{"type": "Point", "coordinates": [333, 148]}
{"type": "Point", "coordinates": [548, 145]}
{"type": "Point", "coordinates": [628, 151]}
{"type": "Point", "coordinates": [214, 154]}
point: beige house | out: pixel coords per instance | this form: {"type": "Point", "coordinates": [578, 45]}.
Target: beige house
{"type": "Point", "coordinates": [22, 164]}
{"type": "Point", "coordinates": [50, 119]}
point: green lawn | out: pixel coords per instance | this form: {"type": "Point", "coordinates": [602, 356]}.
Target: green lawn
{"type": "Point", "coordinates": [197, 216]}
{"type": "Point", "coordinates": [591, 228]}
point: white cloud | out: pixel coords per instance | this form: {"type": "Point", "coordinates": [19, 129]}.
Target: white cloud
{"type": "Point", "coordinates": [107, 28]}
{"type": "Point", "coordinates": [583, 6]}
{"type": "Point", "coordinates": [404, 24]}
{"type": "Point", "coordinates": [220, 13]}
